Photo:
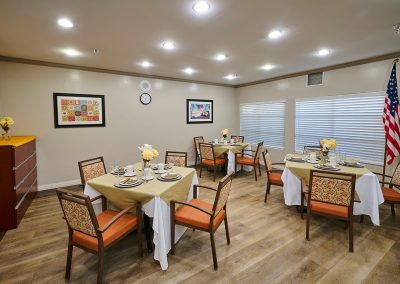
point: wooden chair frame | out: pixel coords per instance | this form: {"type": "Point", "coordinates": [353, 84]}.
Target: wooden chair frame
{"type": "Point", "coordinates": [211, 229]}
{"type": "Point", "coordinates": [315, 148]}
{"type": "Point", "coordinates": [85, 200]}
{"type": "Point", "coordinates": [391, 185]}
{"type": "Point", "coordinates": [241, 137]}
{"type": "Point", "coordinates": [254, 165]}
{"type": "Point", "coordinates": [214, 160]}
{"type": "Point", "coordinates": [89, 162]}
{"type": "Point", "coordinates": [349, 218]}
{"type": "Point", "coordinates": [269, 183]}
{"type": "Point", "coordinates": [175, 154]}
{"type": "Point", "coordinates": [197, 149]}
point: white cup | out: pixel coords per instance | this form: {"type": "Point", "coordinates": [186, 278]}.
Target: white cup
{"type": "Point", "coordinates": [147, 173]}
{"type": "Point", "coordinates": [160, 167]}
{"type": "Point", "coordinates": [313, 157]}
{"type": "Point", "coordinates": [216, 141]}
{"type": "Point", "coordinates": [129, 169]}
{"type": "Point", "coordinates": [332, 160]}
{"type": "Point", "coordinates": [232, 141]}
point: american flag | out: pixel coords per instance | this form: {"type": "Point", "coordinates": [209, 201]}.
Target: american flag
{"type": "Point", "coordinates": [391, 118]}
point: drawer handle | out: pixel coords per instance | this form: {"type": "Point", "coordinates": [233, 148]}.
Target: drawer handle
{"type": "Point", "coordinates": [23, 197]}
{"type": "Point", "coordinates": [23, 162]}
{"type": "Point", "coordinates": [23, 180]}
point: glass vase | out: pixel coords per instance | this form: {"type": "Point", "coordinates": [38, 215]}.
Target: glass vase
{"type": "Point", "coordinates": [324, 157]}
{"type": "Point", "coordinates": [6, 136]}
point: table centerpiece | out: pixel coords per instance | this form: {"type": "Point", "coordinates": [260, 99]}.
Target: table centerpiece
{"type": "Point", "coordinates": [327, 145]}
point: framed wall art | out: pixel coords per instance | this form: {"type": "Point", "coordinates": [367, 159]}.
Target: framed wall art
{"type": "Point", "coordinates": [78, 110]}
{"type": "Point", "coordinates": [199, 111]}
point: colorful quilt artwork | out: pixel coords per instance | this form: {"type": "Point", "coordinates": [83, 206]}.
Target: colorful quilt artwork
{"type": "Point", "coordinates": [80, 110]}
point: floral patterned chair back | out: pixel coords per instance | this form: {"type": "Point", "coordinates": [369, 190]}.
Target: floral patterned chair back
{"type": "Point", "coordinates": [91, 168]}
{"type": "Point", "coordinates": [206, 151]}
{"type": "Point", "coordinates": [221, 198]}
{"type": "Point", "coordinates": [267, 161]}
{"type": "Point", "coordinates": [396, 176]}
{"type": "Point", "coordinates": [78, 211]}
{"type": "Point", "coordinates": [197, 141]}
{"type": "Point", "coordinates": [238, 139]}
{"type": "Point", "coordinates": [259, 150]}
{"type": "Point", "coordinates": [179, 159]}
{"type": "Point", "coordinates": [332, 188]}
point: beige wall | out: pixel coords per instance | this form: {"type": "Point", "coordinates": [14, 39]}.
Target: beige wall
{"type": "Point", "coordinates": [353, 80]}
{"type": "Point", "coordinates": [26, 94]}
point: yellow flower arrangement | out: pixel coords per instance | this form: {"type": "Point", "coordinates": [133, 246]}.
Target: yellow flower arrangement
{"type": "Point", "coordinates": [148, 153]}
{"type": "Point", "coordinates": [224, 132]}
{"type": "Point", "coordinates": [5, 123]}
{"type": "Point", "coordinates": [328, 144]}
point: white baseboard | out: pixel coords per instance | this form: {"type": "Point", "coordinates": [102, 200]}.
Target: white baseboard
{"type": "Point", "coordinates": [58, 184]}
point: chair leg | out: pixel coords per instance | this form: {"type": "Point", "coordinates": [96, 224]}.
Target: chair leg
{"type": "Point", "coordinates": [69, 260]}
{"type": "Point", "coordinates": [255, 172]}
{"type": "Point", "coordinates": [392, 209]}
{"type": "Point", "coordinates": [351, 248]}
{"type": "Point", "coordinates": [308, 227]}
{"type": "Point", "coordinates": [100, 266]}
{"type": "Point", "coordinates": [361, 219]}
{"type": "Point", "coordinates": [259, 168]}
{"type": "Point", "coordinates": [302, 205]}
{"type": "Point", "coordinates": [215, 172]}
{"type": "Point", "coordinates": [267, 190]}
{"type": "Point", "coordinates": [147, 231]}
{"type": "Point", "coordinates": [214, 252]}
{"type": "Point", "coordinates": [195, 162]}
{"type": "Point", "coordinates": [201, 169]}
{"type": "Point", "coordinates": [172, 232]}
{"type": "Point", "coordinates": [228, 239]}
{"type": "Point", "coordinates": [140, 238]}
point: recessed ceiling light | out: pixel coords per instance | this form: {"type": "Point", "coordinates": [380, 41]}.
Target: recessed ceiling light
{"type": "Point", "coordinates": [275, 34]}
{"type": "Point", "coordinates": [145, 64]}
{"type": "Point", "coordinates": [267, 67]}
{"type": "Point", "coordinates": [189, 70]}
{"type": "Point", "coordinates": [221, 57]}
{"type": "Point", "coordinates": [168, 45]}
{"type": "Point", "coordinates": [230, 76]}
{"type": "Point", "coordinates": [201, 7]}
{"type": "Point", "coordinates": [65, 23]}
{"type": "Point", "coordinates": [323, 52]}
{"type": "Point", "coordinates": [71, 52]}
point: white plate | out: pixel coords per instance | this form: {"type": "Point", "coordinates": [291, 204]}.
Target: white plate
{"type": "Point", "coordinates": [162, 172]}
{"type": "Point", "coordinates": [150, 178]}
{"type": "Point", "coordinates": [130, 175]}
{"type": "Point", "coordinates": [309, 161]}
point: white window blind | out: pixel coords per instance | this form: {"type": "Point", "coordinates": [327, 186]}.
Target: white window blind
{"type": "Point", "coordinates": [355, 121]}
{"type": "Point", "coordinates": [263, 121]}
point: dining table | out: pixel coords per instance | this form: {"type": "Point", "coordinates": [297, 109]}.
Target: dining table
{"type": "Point", "coordinates": [155, 196]}
{"type": "Point", "coordinates": [230, 150]}
{"type": "Point", "coordinates": [367, 186]}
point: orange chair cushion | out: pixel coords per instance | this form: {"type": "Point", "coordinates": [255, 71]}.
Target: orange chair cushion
{"type": "Point", "coordinates": [210, 163]}
{"type": "Point", "coordinates": [330, 209]}
{"type": "Point", "coordinates": [275, 178]}
{"type": "Point", "coordinates": [114, 232]}
{"type": "Point", "coordinates": [191, 216]}
{"type": "Point", "coordinates": [246, 160]}
{"type": "Point", "coordinates": [390, 194]}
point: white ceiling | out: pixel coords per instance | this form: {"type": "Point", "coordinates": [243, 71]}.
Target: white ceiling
{"type": "Point", "coordinates": [128, 31]}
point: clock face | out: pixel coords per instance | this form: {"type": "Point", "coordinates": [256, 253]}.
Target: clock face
{"type": "Point", "coordinates": [145, 98]}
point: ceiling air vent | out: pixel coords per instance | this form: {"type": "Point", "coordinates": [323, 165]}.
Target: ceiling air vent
{"type": "Point", "coordinates": [314, 79]}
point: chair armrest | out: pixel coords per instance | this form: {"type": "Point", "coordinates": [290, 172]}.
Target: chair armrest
{"type": "Point", "coordinates": [173, 202]}
{"type": "Point", "coordinates": [282, 164]}
{"type": "Point", "coordinates": [249, 151]}
{"type": "Point", "coordinates": [97, 197]}
{"type": "Point", "coordinates": [274, 171]}
{"type": "Point", "coordinates": [103, 201]}
{"type": "Point", "coordinates": [382, 175]}
{"type": "Point", "coordinates": [114, 219]}
{"type": "Point", "coordinates": [202, 186]}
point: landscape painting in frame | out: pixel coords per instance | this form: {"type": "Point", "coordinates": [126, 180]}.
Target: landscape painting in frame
{"type": "Point", "coordinates": [199, 111]}
{"type": "Point", "coordinates": [77, 110]}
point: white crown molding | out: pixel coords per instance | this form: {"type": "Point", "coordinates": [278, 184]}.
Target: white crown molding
{"type": "Point", "coordinates": [59, 184]}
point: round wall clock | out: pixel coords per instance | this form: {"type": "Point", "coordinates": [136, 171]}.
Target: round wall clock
{"type": "Point", "coordinates": [145, 86]}
{"type": "Point", "coordinates": [145, 98]}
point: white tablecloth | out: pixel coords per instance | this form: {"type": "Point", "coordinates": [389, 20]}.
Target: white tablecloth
{"type": "Point", "coordinates": [159, 210]}
{"type": "Point", "coordinates": [367, 188]}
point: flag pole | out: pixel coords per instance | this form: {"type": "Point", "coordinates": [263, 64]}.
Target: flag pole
{"type": "Point", "coordinates": [384, 163]}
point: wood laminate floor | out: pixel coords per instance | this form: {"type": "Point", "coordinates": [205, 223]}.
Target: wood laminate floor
{"type": "Point", "coordinates": [267, 246]}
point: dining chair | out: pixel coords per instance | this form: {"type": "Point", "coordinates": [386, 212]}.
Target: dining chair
{"type": "Point", "coordinates": [197, 140]}
{"type": "Point", "coordinates": [391, 192]}
{"type": "Point", "coordinates": [331, 194]}
{"type": "Point", "coordinates": [238, 138]}
{"type": "Point", "coordinates": [94, 233]}
{"type": "Point", "coordinates": [91, 168]}
{"type": "Point", "coordinates": [208, 159]}
{"type": "Point", "coordinates": [274, 176]}
{"type": "Point", "coordinates": [252, 159]}
{"type": "Point", "coordinates": [201, 215]}
{"type": "Point", "coordinates": [179, 159]}
{"type": "Point", "coordinates": [309, 149]}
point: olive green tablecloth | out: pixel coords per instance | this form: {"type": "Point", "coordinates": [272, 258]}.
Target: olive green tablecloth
{"type": "Point", "coordinates": [125, 197]}
{"type": "Point", "coordinates": [302, 170]}
{"type": "Point", "coordinates": [220, 149]}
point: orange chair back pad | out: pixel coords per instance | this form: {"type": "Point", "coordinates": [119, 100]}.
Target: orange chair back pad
{"type": "Point", "coordinates": [390, 194]}
{"type": "Point", "coordinates": [191, 216]}
{"type": "Point", "coordinates": [246, 161]}
{"type": "Point", "coordinates": [218, 161]}
{"type": "Point", "coordinates": [275, 178]}
{"type": "Point", "coordinates": [117, 230]}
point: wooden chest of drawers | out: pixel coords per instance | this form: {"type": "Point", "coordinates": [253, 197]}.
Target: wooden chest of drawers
{"type": "Point", "coordinates": [18, 179]}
